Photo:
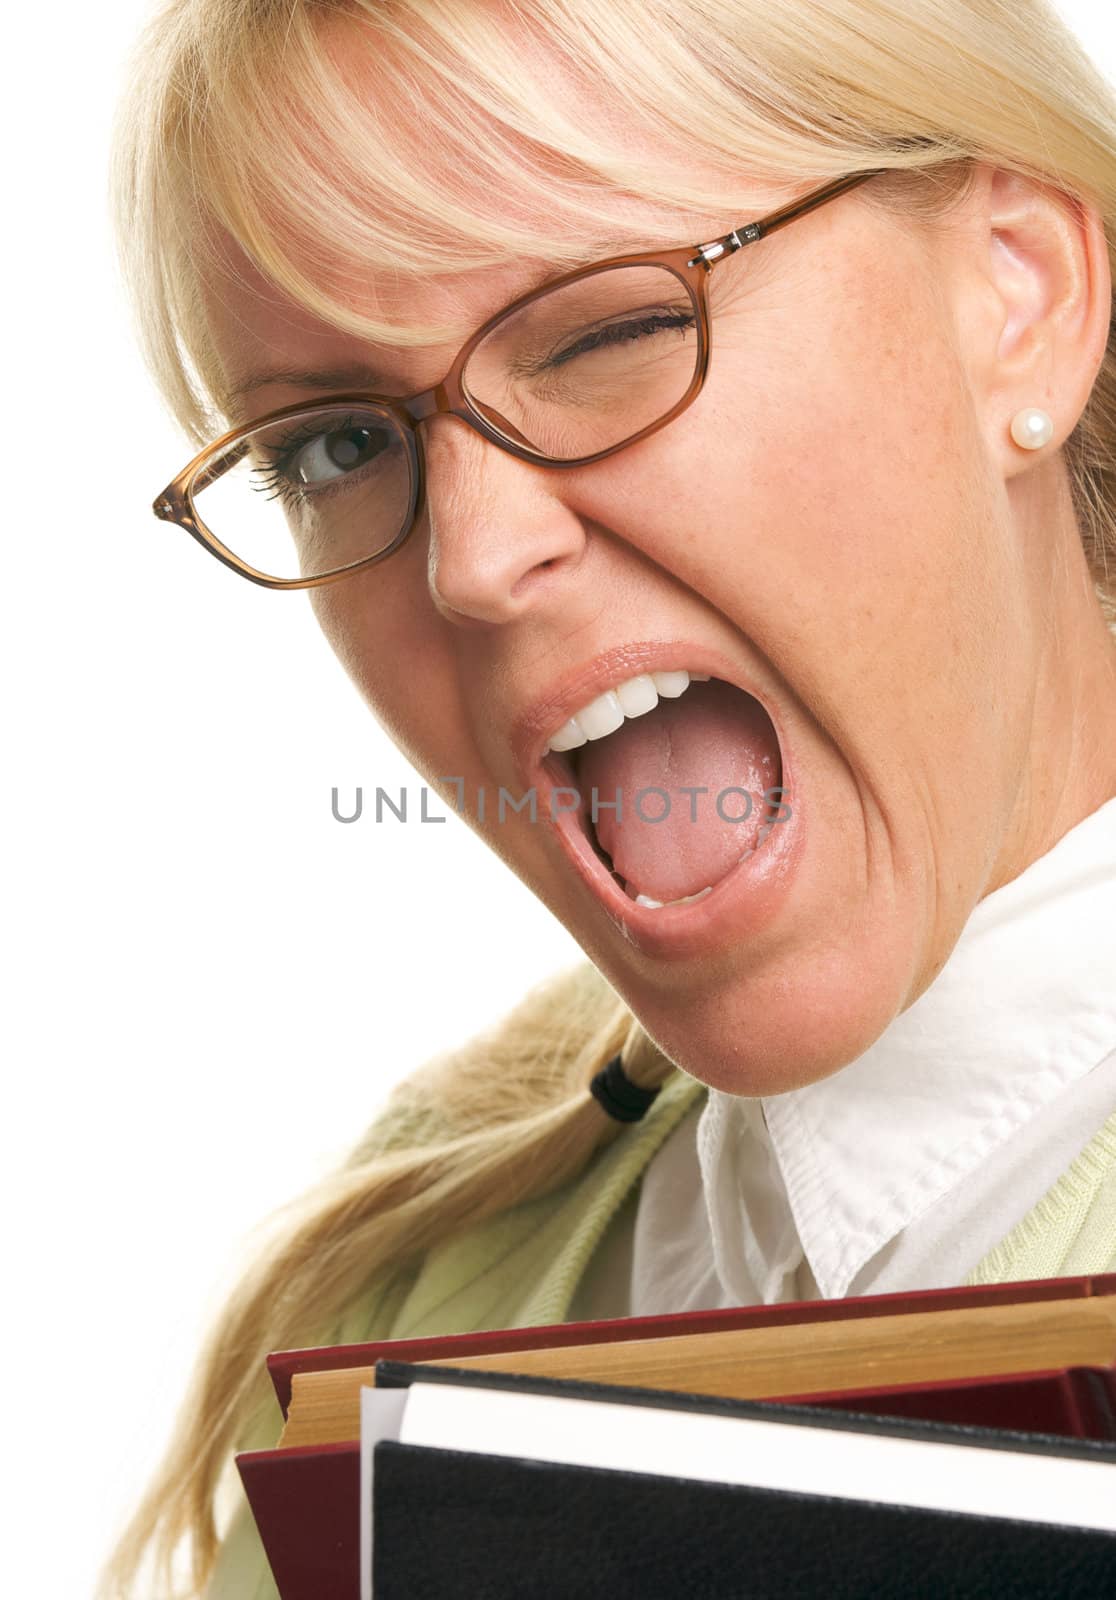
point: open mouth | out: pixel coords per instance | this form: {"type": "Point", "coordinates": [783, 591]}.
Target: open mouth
{"type": "Point", "coordinates": [673, 780]}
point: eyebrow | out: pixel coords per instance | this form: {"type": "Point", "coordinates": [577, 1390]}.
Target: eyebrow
{"type": "Point", "coordinates": [353, 376]}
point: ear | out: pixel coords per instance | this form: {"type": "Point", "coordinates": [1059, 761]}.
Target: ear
{"type": "Point", "coordinates": [1036, 305]}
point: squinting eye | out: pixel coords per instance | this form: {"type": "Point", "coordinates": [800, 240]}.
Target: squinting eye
{"type": "Point", "coordinates": [625, 332]}
{"type": "Point", "coordinates": [332, 455]}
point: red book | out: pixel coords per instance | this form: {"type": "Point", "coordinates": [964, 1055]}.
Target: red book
{"type": "Point", "coordinates": [305, 1498]}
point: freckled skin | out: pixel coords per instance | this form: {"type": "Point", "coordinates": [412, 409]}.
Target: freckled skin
{"type": "Point", "coordinates": [843, 515]}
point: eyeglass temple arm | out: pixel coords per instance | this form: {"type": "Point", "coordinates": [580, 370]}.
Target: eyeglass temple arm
{"type": "Point", "coordinates": [750, 232]}
{"type": "Point", "coordinates": [165, 507]}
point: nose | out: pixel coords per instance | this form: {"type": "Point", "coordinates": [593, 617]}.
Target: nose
{"type": "Point", "coordinates": [501, 538]}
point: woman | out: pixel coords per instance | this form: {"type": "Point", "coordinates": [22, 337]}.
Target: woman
{"type": "Point", "coordinates": [771, 567]}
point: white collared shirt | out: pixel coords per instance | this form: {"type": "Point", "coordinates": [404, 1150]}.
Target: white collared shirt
{"type": "Point", "coordinates": [902, 1170]}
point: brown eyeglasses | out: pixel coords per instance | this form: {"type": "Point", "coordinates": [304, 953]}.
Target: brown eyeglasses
{"type": "Point", "coordinates": [572, 372]}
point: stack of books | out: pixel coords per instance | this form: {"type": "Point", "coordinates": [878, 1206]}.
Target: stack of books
{"type": "Point", "coordinates": [955, 1442]}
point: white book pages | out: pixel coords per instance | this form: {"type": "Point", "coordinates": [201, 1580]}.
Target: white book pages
{"type": "Point", "coordinates": [786, 1455]}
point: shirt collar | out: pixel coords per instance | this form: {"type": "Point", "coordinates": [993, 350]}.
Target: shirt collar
{"type": "Point", "coordinates": [1024, 1007]}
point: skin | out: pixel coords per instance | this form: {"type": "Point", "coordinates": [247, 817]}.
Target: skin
{"type": "Point", "coordinates": [843, 518]}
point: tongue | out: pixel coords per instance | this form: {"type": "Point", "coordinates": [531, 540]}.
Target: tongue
{"type": "Point", "coordinates": [714, 737]}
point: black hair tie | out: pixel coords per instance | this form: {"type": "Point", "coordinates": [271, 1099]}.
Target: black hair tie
{"type": "Point", "coordinates": [620, 1097]}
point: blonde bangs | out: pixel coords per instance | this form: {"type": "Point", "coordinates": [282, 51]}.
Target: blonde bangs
{"type": "Point", "coordinates": [304, 132]}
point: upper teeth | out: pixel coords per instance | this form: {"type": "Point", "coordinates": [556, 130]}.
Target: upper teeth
{"type": "Point", "coordinates": [631, 698]}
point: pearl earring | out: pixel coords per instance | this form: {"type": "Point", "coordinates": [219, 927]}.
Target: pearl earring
{"type": "Point", "coordinates": [1031, 429]}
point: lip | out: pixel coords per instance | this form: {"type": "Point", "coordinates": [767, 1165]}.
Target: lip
{"type": "Point", "coordinates": [741, 903]}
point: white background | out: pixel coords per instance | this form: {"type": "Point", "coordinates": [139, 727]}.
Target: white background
{"type": "Point", "coordinates": [212, 983]}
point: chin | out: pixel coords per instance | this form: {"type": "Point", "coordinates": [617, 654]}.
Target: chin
{"type": "Point", "coordinates": [769, 1032]}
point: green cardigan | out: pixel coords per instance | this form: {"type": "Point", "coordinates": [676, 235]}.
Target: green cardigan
{"type": "Point", "coordinates": [522, 1267]}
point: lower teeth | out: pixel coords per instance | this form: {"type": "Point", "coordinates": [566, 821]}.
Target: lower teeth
{"type": "Point", "coordinates": [657, 905]}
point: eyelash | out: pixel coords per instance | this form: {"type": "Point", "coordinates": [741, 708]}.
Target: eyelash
{"type": "Point", "coordinates": [616, 333]}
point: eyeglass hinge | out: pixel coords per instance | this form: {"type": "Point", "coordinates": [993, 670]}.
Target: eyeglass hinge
{"type": "Point", "coordinates": [710, 254]}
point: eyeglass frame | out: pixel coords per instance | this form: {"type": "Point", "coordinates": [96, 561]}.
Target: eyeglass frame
{"type": "Point", "coordinates": [691, 264]}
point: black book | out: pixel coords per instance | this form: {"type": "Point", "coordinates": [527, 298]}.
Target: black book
{"type": "Point", "coordinates": [489, 1486]}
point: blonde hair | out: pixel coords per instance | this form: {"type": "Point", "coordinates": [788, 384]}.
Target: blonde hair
{"type": "Point", "coordinates": [246, 116]}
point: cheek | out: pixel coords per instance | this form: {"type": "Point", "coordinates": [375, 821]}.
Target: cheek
{"type": "Point", "coordinates": [843, 499]}
{"type": "Point", "coordinates": [384, 639]}
{"type": "Point", "coordinates": [349, 614]}
{"type": "Point", "coordinates": [884, 512]}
